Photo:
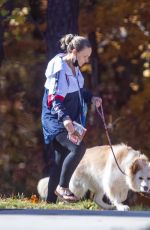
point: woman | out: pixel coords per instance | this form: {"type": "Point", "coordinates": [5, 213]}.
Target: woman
{"type": "Point", "coordinates": [63, 103]}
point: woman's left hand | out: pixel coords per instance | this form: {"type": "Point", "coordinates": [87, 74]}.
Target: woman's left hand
{"type": "Point", "coordinates": [97, 101]}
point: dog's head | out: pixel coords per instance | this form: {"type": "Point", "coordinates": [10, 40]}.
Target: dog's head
{"type": "Point", "coordinates": [139, 175]}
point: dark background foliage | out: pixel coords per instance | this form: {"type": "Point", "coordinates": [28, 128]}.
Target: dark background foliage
{"type": "Point", "coordinates": [119, 72]}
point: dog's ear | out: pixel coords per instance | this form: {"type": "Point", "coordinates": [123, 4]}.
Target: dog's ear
{"type": "Point", "coordinates": [135, 167]}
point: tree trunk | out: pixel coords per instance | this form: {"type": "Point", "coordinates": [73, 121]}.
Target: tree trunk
{"type": "Point", "coordinates": [62, 19]}
{"type": "Point", "coordinates": [1, 42]}
{"type": "Point", "coordinates": [95, 78]}
{"type": "Point", "coordinates": [8, 5]}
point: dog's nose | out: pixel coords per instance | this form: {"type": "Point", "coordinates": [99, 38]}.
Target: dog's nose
{"type": "Point", "coordinates": [145, 188]}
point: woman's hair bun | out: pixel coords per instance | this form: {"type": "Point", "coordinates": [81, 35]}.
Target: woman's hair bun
{"type": "Point", "coordinates": [65, 41]}
{"type": "Point", "coordinates": [70, 42]}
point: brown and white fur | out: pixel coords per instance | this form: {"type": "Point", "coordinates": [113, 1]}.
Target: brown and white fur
{"type": "Point", "coordinates": [99, 173]}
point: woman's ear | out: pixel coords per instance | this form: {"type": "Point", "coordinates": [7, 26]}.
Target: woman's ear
{"type": "Point", "coordinates": [74, 51]}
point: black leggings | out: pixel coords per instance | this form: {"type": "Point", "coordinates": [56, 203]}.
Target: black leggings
{"type": "Point", "coordinates": [64, 159]}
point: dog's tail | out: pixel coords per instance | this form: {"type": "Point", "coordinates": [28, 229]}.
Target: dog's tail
{"type": "Point", "coordinates": [42, 188]}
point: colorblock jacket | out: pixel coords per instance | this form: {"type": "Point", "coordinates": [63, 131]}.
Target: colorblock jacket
{"type": "Point", "coordinates": [64, 96]}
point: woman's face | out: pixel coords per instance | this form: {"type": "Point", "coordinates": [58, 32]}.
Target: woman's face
{"type": "Point", "coordinates": [83, 56]}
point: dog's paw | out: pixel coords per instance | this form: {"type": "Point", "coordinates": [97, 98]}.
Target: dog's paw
{"type": "Point", "coordinates": [121, 207]}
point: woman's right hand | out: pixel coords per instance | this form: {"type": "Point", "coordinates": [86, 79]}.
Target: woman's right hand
{"type": "Point", "coordinates": [69, 125]}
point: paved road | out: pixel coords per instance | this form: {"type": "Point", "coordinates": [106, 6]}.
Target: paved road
{"type": "Point", "coordinates": [73, 220]}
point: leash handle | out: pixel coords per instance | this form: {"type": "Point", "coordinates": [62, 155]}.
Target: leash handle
{"type": "Point", "coordinates": [101, 114]}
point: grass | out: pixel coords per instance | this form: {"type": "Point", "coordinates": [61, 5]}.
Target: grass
{"type": "Point", "coordinates": [21, 202]}
{"type": "Point", "coordinates": [34, 203]}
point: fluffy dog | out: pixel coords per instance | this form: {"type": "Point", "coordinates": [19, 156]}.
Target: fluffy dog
{"type": "Point", "coordinates": [99, 173]}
